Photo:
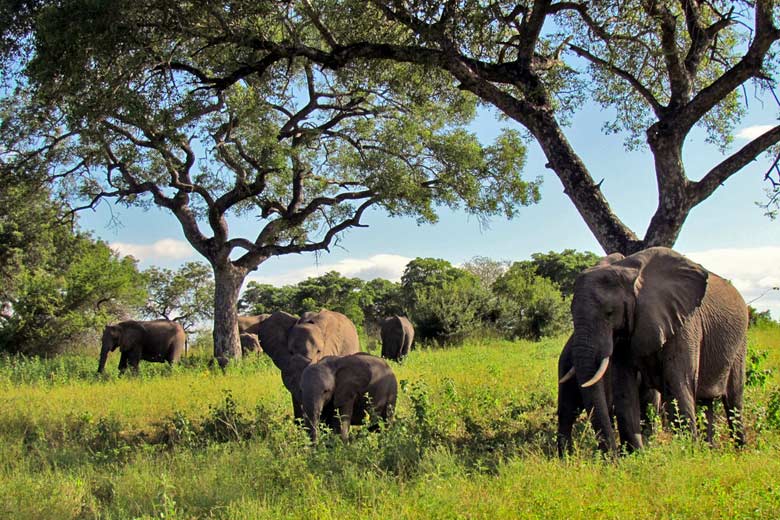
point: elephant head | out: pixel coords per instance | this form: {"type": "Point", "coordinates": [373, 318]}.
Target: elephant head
{"type": "Point", "coordinates": [307, 340]}
{"type": "Point", "coordinates": [109, 343]}
{"type": "Point", "coordinates": [627, 308]}
{"type": "Point", "coordinates": [317, 387]}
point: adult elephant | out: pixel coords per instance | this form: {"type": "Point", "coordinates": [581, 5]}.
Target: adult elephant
{"type": "Point", "coordinates": [157, 341]}
{"type": "Point", "coordinates": [616, 379]}
{"type": "Point", "coordinates": [657, 314]}
{"type": "Point", "coordinates": [397, 334]}
{"type": "Point", "coordinates": [321, 334]}
{"type": "Point", "coordinates": [316, 335]}
{"type": "Point", "coordinates": [341, 389]}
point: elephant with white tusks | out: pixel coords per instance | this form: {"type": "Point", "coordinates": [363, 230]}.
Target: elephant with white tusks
{"type": "Point", "coordinates": [160, 341]}
{"type": "Point", "coordinates": [340, 390]}
{"type": "Point", "coordinates": [658, 315]}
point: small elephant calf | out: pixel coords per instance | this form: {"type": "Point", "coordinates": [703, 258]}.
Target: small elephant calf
{"type": "Point", "coordinates": [341, 389]}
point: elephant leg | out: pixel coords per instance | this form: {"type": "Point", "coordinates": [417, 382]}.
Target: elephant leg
{"type": "Point", "coordinates": [133, 359]}
{"type": "Point", "coordinates": [627, 406]}
{"type": "Point", "coordinates": [732, 401]}
{"type": "Point", "coordinates": [297, 409]}
{"type": "Point", "coordinates": [680, 407]}
{"type": "Point", "coordinates": [709, 414]}
{"type": "Point", "coordinates": [680, 362]}
{"type": "Point", "coordinates": [569, 407]}
{"type": "Point", "coordinates": [345, 419]}
{"type": "Point", "coordinates": [122, 362]}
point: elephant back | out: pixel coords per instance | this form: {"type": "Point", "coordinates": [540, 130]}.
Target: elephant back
{"type": "Point", "coordinates": [339, 333]}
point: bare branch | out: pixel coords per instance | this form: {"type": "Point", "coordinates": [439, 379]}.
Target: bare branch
{"type": "Point", "coordinates": [732, 164]}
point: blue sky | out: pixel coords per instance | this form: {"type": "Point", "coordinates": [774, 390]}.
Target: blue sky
{"type": "Point", "coordinates": [727, 233]}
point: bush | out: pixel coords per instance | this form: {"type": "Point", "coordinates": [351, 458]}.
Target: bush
{"type": "Point", "coordinates": [529, 306]}
{"type": "Point", "coordinates": [449, 313]}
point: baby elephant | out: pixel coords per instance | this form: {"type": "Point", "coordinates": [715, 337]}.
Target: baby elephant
{"type": "Point", "coordinates": [341, 389]}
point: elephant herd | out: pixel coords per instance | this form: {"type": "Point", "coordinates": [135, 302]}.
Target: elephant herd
{"type": "Point", "coordinates": [318, 354]}
{"type": "Point", "coordinates": [653, 330]}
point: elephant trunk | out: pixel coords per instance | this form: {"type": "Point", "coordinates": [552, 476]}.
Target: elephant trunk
{"type": "Point", "coordinates": [104, 350]}
{"type": "Point", "coordinates": [591, 360]}
{"type": "Point", "coordinates": [103, 357]}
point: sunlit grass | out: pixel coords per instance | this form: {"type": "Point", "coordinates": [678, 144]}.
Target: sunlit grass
{"type": "Point", "coordinates": [473, 438]}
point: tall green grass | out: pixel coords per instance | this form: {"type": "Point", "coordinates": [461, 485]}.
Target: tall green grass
{"type": "Point", "coordinates": [474, 437]}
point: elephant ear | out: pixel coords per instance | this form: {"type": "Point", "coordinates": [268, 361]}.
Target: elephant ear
{"type": "Point", "coordinates": [273, 333]}
{"type": "Point", "coordinates": [353, 376]}
{"type": "Point", "coordinates": [668, 289]}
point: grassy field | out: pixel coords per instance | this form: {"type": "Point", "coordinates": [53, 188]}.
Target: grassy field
{"type": "Point", "coordinates": [474, 438]}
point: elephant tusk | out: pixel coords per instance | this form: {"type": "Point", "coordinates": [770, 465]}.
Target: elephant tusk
{"type": "Point", "coordinates": [566, 377]}
{"type": "Point", "coordinates": [598, 375]}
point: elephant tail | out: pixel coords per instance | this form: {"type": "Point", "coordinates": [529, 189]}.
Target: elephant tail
{"type": "Point", "coordinates": [186, 345]}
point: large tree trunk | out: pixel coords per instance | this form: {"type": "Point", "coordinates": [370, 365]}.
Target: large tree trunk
{"type": "Point", "coordinates": [228, 281]}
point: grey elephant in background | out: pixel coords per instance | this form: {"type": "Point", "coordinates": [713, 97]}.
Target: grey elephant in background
{"type": "Point", "coordinates": [397, 335]}
{"type": "Point", "coordinates": [340, 390]}
{"type": "Point", "coordinates": [660, 315]}
{"type": "Point", "coordinates": [249, 343]}
{"type": "Point", "coordinates": [251, 324]}
{"type": "Point", "coordinates": [157, 341]}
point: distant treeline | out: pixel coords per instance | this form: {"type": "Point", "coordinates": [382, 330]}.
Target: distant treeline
{"type": "Point", "coordinates": [527, 299]}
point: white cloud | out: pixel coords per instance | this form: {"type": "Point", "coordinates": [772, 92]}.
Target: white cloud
{"type": "Point", "coordinates": [167, 249]}
{"type": "Point", "coordinates": [390, 267]}
{"type": "Point", "coordinates": [751, 132]}
{"type": "Point", "coordinates": [753, 271]}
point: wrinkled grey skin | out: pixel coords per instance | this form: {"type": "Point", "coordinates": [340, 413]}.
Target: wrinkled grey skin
{"type": "Point", "coordinates": [273, 333]}
{"type": "Point", "coordinates": [339, 390]}
{"type": "Point", "coordinates": [251, 324]}
{"type": "Point", "coordinates": [571, 403]}
{"type": "Point", "coordinates": [291, 377]}
{"type": "Point", "coordinates": [321, 334]}
{"type": "Point", "coordinates": [660, 315]}
{"type": "Point", "coordinates": [397, 336]}
{"type": "Point", "coordinates": [157, 341]}
{"type": "Point", "coordinates": [249, 343]}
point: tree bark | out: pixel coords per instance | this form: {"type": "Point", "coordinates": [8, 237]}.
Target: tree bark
{"type": "Point", "coordinates": [228, 280]}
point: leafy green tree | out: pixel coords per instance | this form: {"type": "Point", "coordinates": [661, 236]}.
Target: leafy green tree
{"type": "Point", "coordinates": [52, 308]}
{"type": "Point", "coordinates": [531, 306]}
{"type": "Point", "coordinates": [660, 68]}
{"type": "Point", "coordinates": [214, 113]}
{"type": "Point", "coordinates": [379, 299]}
{"type": "Point", "coordinates": [561, 268]}
{"type": "Point", "coordinates": [444, 303]}
{"type": "Point", "coordinates": [185, 295]}
{"type": "Point", "coordinates": [263, 298]}
{"type": "Point", "coordinates": [331, 291]}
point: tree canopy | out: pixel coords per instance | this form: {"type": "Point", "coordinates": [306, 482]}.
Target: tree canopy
{"type": "Point", "coordinates": [661, 67]}
{"type": "Point", "coordinates": [213, 110]}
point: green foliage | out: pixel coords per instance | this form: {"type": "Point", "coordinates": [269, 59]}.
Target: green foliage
{"type": "Point", "coordinates": [758, 318]}
{"type": "Point", "coordinates": [445, 303]}
{"type": "Point", "coordinates": [529, 305]}
{"type": "Point", "coordinates": [52, 309]}
{"type": "Point", "coordinates": [755, 372]}
{"type": "Point", "coordinates": [329, 291]}
{"type": "Point", "coordinates": [470, 419]}
{"type": "Point", "coordinates": [561, 268]}
{"type": "Point", "coordinates": [186, 295]}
